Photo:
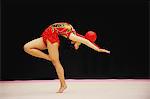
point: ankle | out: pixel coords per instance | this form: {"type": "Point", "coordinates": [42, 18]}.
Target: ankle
{"type": "Point", "coordinates": [64, 85]}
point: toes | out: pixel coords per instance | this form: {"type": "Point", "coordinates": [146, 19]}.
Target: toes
{"type": "Point", "coordinates": [61, 90]}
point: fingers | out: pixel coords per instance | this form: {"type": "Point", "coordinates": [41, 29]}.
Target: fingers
{"type": "Point", "coordinates": [107, 51]}
{"type": "Point", "coordinates": [76, 46]}
{"type": "Point", "coordinates": [104, 50]}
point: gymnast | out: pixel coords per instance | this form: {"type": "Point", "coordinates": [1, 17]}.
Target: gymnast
{"type": "Point", "coordinates": [50, 40]}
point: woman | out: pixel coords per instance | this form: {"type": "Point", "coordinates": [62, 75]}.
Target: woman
{"type": "Point", "coordinates": [50, 40]}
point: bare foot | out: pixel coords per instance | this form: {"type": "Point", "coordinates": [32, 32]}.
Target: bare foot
{"type": "Point", "coordinates": [61, 89]}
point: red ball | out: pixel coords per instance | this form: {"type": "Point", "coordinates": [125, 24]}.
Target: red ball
{"type": "Point", "coordinates": [91, 36]}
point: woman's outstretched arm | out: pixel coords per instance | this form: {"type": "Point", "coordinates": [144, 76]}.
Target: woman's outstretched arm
{"type": "Point", "coordinates": [83, 40]}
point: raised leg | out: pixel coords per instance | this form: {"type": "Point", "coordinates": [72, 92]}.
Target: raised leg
{"type": "Point", "coordinates": [34, 48]}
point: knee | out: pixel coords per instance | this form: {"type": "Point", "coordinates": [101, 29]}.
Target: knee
{"type": "Point", "coordinates": [26, 47]}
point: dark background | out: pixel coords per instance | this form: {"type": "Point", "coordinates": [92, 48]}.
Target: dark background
{"type": "Point", "coordinates": [121, 27]}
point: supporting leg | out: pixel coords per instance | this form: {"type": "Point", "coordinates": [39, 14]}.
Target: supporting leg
{"type": "Point", "coordinates": [54, 55]}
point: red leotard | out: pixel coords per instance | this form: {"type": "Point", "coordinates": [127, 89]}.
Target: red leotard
{"type": "Point", "coordinates": [62, 28]}
{"type": "Point", "coordinates": [51, 33]}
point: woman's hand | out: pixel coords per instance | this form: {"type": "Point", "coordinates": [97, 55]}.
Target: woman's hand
{"type": "Point", "coordinates": [104, 50]}
{"type": "Point", "coordinates": [76, 45]}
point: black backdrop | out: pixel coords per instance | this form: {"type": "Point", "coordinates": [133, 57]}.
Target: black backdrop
{"type": "Point", "coordinates": [121, 27]}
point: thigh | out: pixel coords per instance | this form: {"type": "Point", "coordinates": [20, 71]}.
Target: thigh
{"type": "Point", "coordinates": [53, 50]}
{"type": "Point", "coordinates": [37, 43]}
